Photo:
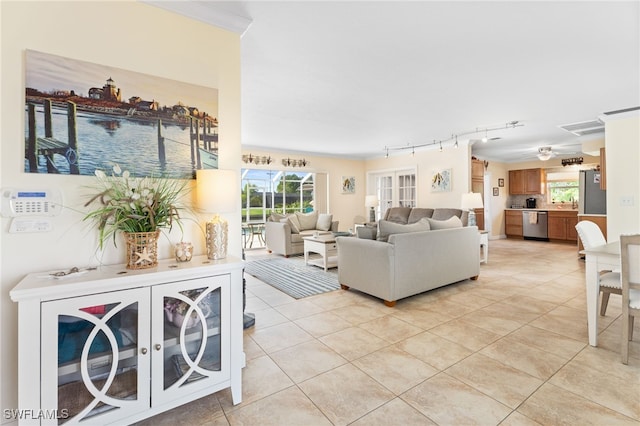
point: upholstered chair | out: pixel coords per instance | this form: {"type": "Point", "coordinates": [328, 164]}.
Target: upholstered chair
{"type": "Point", "coordinates": [591, 236]}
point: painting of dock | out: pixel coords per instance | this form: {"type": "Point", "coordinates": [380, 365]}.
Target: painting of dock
{"type": "Point", "coordinates": [81, 116]}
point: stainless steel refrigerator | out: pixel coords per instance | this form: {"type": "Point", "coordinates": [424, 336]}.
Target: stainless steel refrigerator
{"type": "Point", "coordinates": [592, 199]}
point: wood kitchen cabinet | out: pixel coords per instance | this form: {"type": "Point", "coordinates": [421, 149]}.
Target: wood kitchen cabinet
{"type": "Point", "coordinates": [513, 223]}
{"type": "Point", "coordinates": [527, 181]}
{"type": "Point", "coordinates": [480, 218]}
{"type": "Point", "coordinates": [477, 169]}
{"type": "Point", "coordinates": [562, 225]}
{"type": "Point", "coordinates": [603, 169]}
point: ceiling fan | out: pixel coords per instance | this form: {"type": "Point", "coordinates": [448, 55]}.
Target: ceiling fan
{"type": "Point", "coordinates": [545, 153]}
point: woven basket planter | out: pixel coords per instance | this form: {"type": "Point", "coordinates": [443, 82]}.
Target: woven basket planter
{"type": "Point", "coordinates": [142, 249]}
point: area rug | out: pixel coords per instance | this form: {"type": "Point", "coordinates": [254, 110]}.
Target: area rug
{"type": "Point", "coordinates": [293, 277]}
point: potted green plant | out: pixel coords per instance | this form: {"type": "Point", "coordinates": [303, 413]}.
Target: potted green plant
{"type": "Point", "coordinates": [138, 207]}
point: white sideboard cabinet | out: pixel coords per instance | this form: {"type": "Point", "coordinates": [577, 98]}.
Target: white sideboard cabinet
{"type": "Point", "coordinates": [115, 346]}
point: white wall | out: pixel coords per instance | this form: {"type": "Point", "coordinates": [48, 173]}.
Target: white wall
{"type": "Point", "coordinates": [123, 34]}
{"type": "Point", "coordinates": [622, 143]}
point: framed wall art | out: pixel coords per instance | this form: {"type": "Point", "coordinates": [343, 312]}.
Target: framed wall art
{"type": "Point", "coordinates": [441, 180]}
{"type": "Point", "coordinates": [501, 182]}
{"type": "Point", "coordinates": [496, 191]}
{"type": "Point", "coordinates": [81, 116]}
{"type": "Point", "coordinates": [348, 184]}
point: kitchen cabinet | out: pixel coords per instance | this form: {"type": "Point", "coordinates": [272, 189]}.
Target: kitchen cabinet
{"type": "Point", "coordinates": [562, 225]}
{"type": "Point", "coordinates": [477, 169]}
{"type": "Point", "coordinates": [527, 181]}
{"type": "Point", "coordinates": [479, 218]}
{"type": "Point", "coordinates": [115, 346]}
{"type": "Point", "coordinates": [603, 169]}
{"type": "Point", "coordinates": [513, 223]}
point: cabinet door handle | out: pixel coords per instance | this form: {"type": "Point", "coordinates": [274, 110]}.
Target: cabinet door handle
{"type": "Point", "coordinates": [144, 351]}
{"type": "Point", "coordinates": [158, 346]}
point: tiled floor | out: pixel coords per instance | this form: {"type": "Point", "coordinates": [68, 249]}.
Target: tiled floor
{"type": "Point", "coordinates": [510, 348]}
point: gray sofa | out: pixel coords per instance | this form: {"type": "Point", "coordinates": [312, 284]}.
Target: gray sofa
{"type": "Point", "coordinates": [284, 233]}
{"type": "Point", "coordinates": [408, 263]}
{"type": "Point", "coordinates": [406, 215]}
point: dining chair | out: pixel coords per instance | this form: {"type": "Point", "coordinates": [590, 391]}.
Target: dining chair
{"type": "Point", "coordinates": [630, 273]}
{"type": "Point", "coordinates": [591, 236]}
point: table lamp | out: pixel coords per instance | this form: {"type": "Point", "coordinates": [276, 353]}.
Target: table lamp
{"type": "Point", "coordinates": [216, 192]}
{"type": "Point", "coordinates": [471, 201]}
{"type": "Point", "coordinates": [371, 201]}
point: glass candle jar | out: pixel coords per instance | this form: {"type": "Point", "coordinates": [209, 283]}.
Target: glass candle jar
{"type": "Point", "coordinates": [183, 251]}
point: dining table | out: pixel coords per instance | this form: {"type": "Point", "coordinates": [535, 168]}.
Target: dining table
{"type": "Point", "coordinates": [600, 258]}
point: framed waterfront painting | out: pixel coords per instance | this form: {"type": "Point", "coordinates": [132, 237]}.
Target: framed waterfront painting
{"type": "Point", "coordinates": [348, 184]}
{"type": "Point", "coordinates": [441, 180]}
{"type": "Point", "coordinates": [81, 116]}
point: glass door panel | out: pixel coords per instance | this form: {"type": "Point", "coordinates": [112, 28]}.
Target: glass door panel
{"type": "Point", "coordinates": [188, 348]}
{"type": "Point", "coordinates": [98, 363]}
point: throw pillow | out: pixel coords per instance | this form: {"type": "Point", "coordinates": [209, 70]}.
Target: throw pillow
{"type": "Point", "coordinates": [293, 222]}
{"type": "Point", "coordinates": [452, 222]}
{"type": "Point", "coordinates": [277, 217]}
{"type": "Point", "coordinates": [307, 220]}
{"type": "Point", "coordinates": [324, 222]}
{"type": "Point", "coordinates": [389, 228]}
{"type": "Point", "coordinates": [367, 232]}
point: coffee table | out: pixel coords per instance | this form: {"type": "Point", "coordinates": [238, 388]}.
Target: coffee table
{"type": "Point", "coordinates": [325, 246]}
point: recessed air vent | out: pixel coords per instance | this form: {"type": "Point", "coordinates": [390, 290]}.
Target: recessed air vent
{"type": "Point", "coordinates": [584, 127]}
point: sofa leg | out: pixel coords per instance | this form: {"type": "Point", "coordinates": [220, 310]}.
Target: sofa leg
{"type": "Point", "coordinates": [286, 256]}
{"type": "Point", "coordinates": [475, 278]}
{"type": "Point", "coordinates": [344, 287]}
{"type": "Point", "coordinates": [390, 304]}
{"type": "Point", "coordinates": [269, 251]}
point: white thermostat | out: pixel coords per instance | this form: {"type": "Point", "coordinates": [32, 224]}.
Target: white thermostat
{"type": "Point", "coordinates": [31, 202]}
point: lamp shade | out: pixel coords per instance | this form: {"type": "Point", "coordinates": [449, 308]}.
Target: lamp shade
{"type": "Point", "coordinates": [371, 201]}
{"type": "Point", "coordinates": [216, 190]}
{"type": "Point", "coordinates": [471, 200]}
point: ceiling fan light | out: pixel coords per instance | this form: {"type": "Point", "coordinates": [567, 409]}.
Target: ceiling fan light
{"type": "Point", "coordinates": [544, 156]}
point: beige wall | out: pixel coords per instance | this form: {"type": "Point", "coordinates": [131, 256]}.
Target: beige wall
{"type": "Point", "coordinates": [344, 207]}
{"type": "Point", "coordinates": [427, 161]}
{"type": "Point", "coordinates": [622, 142]}
{"type": "Point", "coordinates": [123, 34]}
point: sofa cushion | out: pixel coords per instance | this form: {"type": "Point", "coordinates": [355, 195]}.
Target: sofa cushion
{"type": "Point", "coordinates": [452, 222]}
{"type": "Point", "coordinates": [389, 228]}
{"type": "Point", "coordinates": [324, 222]}
{"type": "Point", "coordinates": [293, 222]}
{"type": "Point", "coordinates": [307, 220]}
{"type": "Point", "coordinates": [398, 214]}
{"type": "Point", "coordinates": [444, 214]}
{"type": "Point", "coordinates": [418, 213]}
{"type": "Point", "coordinates": [367, 232]}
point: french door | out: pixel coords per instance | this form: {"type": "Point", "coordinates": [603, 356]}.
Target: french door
{"type": "Point", "coordinates": [394, 188]}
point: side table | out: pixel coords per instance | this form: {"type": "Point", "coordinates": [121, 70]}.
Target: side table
{"type": "Point", "coordinates": [484, 246]}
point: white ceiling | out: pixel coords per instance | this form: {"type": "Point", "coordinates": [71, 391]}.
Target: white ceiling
{"type": "Point", "coordinates": [350, 78]}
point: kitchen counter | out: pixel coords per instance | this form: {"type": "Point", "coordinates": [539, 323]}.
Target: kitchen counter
{"type": "Point", "coordinates": [591, 215]}
{"type": "Point", "coordinates": [547, 210]}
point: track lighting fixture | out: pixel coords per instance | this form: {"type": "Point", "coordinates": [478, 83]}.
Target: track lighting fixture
{"type": "Point", "coordinates": [453, 138]}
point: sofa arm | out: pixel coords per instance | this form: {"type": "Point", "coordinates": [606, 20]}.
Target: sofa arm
{"type": "Point", "coordinates": [334, 226]}
{"type": "Point", "coordinates": [277, 236]}
{"type": "Point", "coordinates": [366, 265]}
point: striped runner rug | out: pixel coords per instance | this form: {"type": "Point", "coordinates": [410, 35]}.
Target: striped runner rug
{"type": "Point", "coordinates": [293, 277]}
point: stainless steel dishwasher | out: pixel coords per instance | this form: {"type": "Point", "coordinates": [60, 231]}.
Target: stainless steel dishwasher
{"type": "Point", "coordinates": [534, 225]}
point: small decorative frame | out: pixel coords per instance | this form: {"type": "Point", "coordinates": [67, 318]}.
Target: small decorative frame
{"type": "Point", "coordinates": [441, 180]}
{"type": "Point", "coordinates": [496, 191]}
{"type": "Point", "coordinates": [348, 184]}
{"type": "Point", "coordinates": [500, 183]}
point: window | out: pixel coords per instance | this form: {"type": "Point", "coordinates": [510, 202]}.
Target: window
{"type": "Point", "coordinates": [267, 191]}
{"type": "Point", "coordinates": [562, 187]}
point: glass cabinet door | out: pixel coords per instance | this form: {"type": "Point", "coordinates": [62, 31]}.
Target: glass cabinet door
{"type": "Point", "coordinates": [95, 356]}
{"type": "Point", "coordinates": [188, 348]}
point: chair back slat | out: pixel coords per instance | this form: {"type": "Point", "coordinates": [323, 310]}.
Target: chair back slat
{"type": "Point", "coordinates": [590, 234]}
{"type": "Point", "coordinates": [630, 261]}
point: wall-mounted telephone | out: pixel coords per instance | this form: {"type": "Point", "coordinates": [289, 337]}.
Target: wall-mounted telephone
{"type": "Point", "coordinates": [28, 202]}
